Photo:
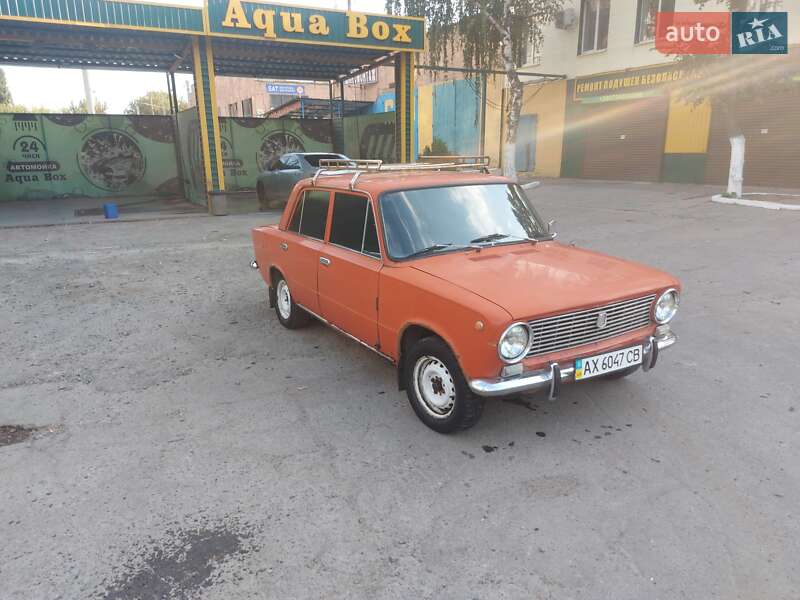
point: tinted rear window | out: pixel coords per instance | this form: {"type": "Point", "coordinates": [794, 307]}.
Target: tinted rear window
{"type": "Point", "coordinates": [315, 214]}
{"type": "Point", "coordinates": [347, 224]}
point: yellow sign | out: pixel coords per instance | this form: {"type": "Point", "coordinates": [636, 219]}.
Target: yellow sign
{"type": "Point", "coordinates": [241, 18]}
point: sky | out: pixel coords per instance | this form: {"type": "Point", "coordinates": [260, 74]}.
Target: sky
{"type": "Point", "coordinates": [56, 88]}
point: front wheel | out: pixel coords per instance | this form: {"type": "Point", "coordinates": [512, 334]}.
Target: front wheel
{"type": "Point", "coordinates": [437, 389]}
{"type": "Point", "coordinates": [289, 314]}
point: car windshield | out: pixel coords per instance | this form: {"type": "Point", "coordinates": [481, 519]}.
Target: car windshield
{"type": "Point", "coordinates": [313, 159]}
{"type": "Point", "coordinates": [452, 218]}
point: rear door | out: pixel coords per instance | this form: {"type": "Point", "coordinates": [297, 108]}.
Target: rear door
{"type": "Point", "coordinates": [304, 242]}
{"type": "Point", "coordinates": [349, 267]}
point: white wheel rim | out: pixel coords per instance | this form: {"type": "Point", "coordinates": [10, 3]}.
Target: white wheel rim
{"type": "Point", "coordinates": [434, 386]}
{"type": "Point", "coordinates": [284, 299]}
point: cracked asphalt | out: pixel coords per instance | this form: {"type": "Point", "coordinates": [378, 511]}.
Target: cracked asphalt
{"type": "Point", "coordinates": [173, 441]}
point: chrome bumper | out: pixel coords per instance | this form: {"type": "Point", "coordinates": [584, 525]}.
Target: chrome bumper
{"type": "Point", "coordinates": [552, 377]}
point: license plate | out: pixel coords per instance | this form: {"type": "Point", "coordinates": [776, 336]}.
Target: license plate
{"type": "Point", "coordinates": [592, 366]}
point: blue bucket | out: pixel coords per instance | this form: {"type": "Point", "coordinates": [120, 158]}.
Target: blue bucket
{"type": "Point", "coordinates": [110, 210]}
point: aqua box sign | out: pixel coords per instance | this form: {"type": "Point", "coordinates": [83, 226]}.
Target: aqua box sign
{"type": "Point", "coordinates": [276, 22]}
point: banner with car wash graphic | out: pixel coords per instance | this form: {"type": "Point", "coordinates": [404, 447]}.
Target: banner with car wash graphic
{"type": "Point", "coordinates": [65, 155]}
{"type": "Point", "coordinates": [251, 144]}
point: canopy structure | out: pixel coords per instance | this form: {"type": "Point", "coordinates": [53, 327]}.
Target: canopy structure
{"type": "Point", "coordinates": [225, 37]}
{"type": "Point", "coordinates": [316, 108]}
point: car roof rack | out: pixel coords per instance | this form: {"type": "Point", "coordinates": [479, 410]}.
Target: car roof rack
{"type": "Point", "coordinates": [339, 166]}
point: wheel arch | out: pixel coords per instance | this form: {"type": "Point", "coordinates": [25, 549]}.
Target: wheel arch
{"type": "Point", "coordinates": [410, 334]}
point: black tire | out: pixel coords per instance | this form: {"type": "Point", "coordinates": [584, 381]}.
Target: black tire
{"type": "Point", "coordinates": [458, 408]}
{"type": "Point", "coordinates": [622, 373]}
{"type": "Point", "coordinates": [262, 197]}
{"type": "Point", "coordinates": [289, 314]}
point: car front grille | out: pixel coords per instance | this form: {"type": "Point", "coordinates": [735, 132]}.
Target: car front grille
{"type": "Point", "coordinates": [574, 329]}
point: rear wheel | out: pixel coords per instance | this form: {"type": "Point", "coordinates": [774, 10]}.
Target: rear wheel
{"type": "Point", "coordinates": [437, 389]}
{"type": "Point", "coordinates": [289, 314]}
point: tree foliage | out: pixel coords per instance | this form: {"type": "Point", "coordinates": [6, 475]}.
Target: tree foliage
{"type": "Point", "coordinates": [476, 27]}
{"type": "Point", "coordinates": [490, 34]}
{"type": "Point", "coordinates": [100, 107]}
{"type": "Point", "coordinates": [152, 103]}
{"type": "Point", "coordinates": [5, 93]}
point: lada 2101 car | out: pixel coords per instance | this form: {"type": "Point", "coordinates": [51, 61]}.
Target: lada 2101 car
{"type": "Point", "coordinates": [454, 278]}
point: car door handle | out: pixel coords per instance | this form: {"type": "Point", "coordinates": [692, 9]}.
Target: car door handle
{"type": "Point", "coordinates": [324, 261]}
{"type": "Point", "coordinates": [284, 246]}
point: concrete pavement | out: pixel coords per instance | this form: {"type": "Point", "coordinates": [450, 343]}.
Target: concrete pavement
{"type": "Point", "coordinates": [190, 447]}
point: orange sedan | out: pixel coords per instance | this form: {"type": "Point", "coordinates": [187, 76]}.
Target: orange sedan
{"type": "Point", "coordinates": [455, 279]}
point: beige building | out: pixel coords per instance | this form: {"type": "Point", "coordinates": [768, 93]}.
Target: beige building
{"type": "Point", "coordinates": [240, 97]}
{"type": "Point", "coordinates": [595, 36]}
{"type": "Point", "coordinates": [619, 114]}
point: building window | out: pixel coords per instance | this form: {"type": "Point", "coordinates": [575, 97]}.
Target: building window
{"type": "Point", "coordinates": [594, 26]}
{"type": "Point", "coordinates": [233, 110]}
{"type": "Point", "coordinates": [247, 107]}
{"type": "Point", "coordinates": [530, 54]}
{"type": "Point", "coordinates": [646, 11]}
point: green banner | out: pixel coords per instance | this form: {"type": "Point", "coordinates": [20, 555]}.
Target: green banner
{"type": "Point", "coordinates": [276, 22]}
{"type": "Point", "coordinates": [370, 136]}
{"type": "Point", "coordinates": [250, 144]}
{"type": "Point", "coordinates": [98, 156]}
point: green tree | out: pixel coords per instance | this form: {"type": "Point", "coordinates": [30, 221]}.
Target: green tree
{"type": "Point", "coordinates": [100, 107]}
{"type": "Point", "coordinates": [152, 103]}
{"type": "Point", "coordinates": [5, 93]}
{"type": "Point", "coordinates": [491, 34]}
{"type": "Point", "coordinates": [729, 82]}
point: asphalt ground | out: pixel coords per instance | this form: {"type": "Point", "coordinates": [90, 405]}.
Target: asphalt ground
{"type": "Point", "coordinates": [165, 437]}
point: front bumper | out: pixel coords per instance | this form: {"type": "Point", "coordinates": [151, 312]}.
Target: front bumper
{"type": "Point", "coordinates": [552, 377]}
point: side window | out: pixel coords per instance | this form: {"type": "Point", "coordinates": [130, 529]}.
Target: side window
{"type": "Point", "coordinates": [315, 214]}
{"type": "Point", "coordinates": [371, 246]}
{"type": "Point", "coordinates": [347, 225]}
{"type": "Point", "coordinates": [294, 224]}
{"type": "Point", "coordinates": [290, 162]}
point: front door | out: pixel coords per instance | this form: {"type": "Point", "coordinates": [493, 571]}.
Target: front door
{"type": "Point", "coordinates": [349, 268]}
{"type": "Point", "coordinates": [302, 250]}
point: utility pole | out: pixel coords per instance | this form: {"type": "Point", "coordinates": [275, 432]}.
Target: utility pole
{"type": "Point", "coordinates": [87, 91]}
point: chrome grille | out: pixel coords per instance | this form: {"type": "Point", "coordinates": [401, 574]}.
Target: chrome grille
{"type": "Point", "coordinates": [570, 330]}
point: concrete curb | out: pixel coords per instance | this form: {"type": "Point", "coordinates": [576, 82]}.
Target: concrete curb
{"type": "Point", "coordinates": [755, 203]}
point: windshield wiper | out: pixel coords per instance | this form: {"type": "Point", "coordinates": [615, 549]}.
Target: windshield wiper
{"type": "Point", "coordinates": [492, 237]}
{"type": "Point", "coordinates": [495, 237]}
{"type": "Point", "coordinates": [436, 247]}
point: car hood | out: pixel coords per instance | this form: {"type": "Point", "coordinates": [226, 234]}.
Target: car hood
{"type": "Point", "coordinates": [531, 281]}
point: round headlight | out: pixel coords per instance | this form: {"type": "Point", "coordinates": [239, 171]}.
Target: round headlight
{"type": "Point", "coordinates": [666, 306]}
{"type": "Point", "coordinates": [514, 342]}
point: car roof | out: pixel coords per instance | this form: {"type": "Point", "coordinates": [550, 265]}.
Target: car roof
{"type": "Point", "coordinates": [392, 181]}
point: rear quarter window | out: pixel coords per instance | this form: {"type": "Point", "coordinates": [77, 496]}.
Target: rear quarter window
{"type": "Point", "coordinates": [314, 214]}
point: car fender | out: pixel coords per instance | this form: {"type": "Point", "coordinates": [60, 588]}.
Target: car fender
{"type": "Point", "coordinates": [469, 324]}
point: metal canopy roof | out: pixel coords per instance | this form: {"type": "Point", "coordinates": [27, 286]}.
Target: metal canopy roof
{"type": "Point", "coordinates": [317, 108]}
{"type": "Point", "coordinates": [43, 44]}
{"type": "Point", "coordinates": [124, 34]}
{"type": "Point", "coordinates": [245, 58]}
